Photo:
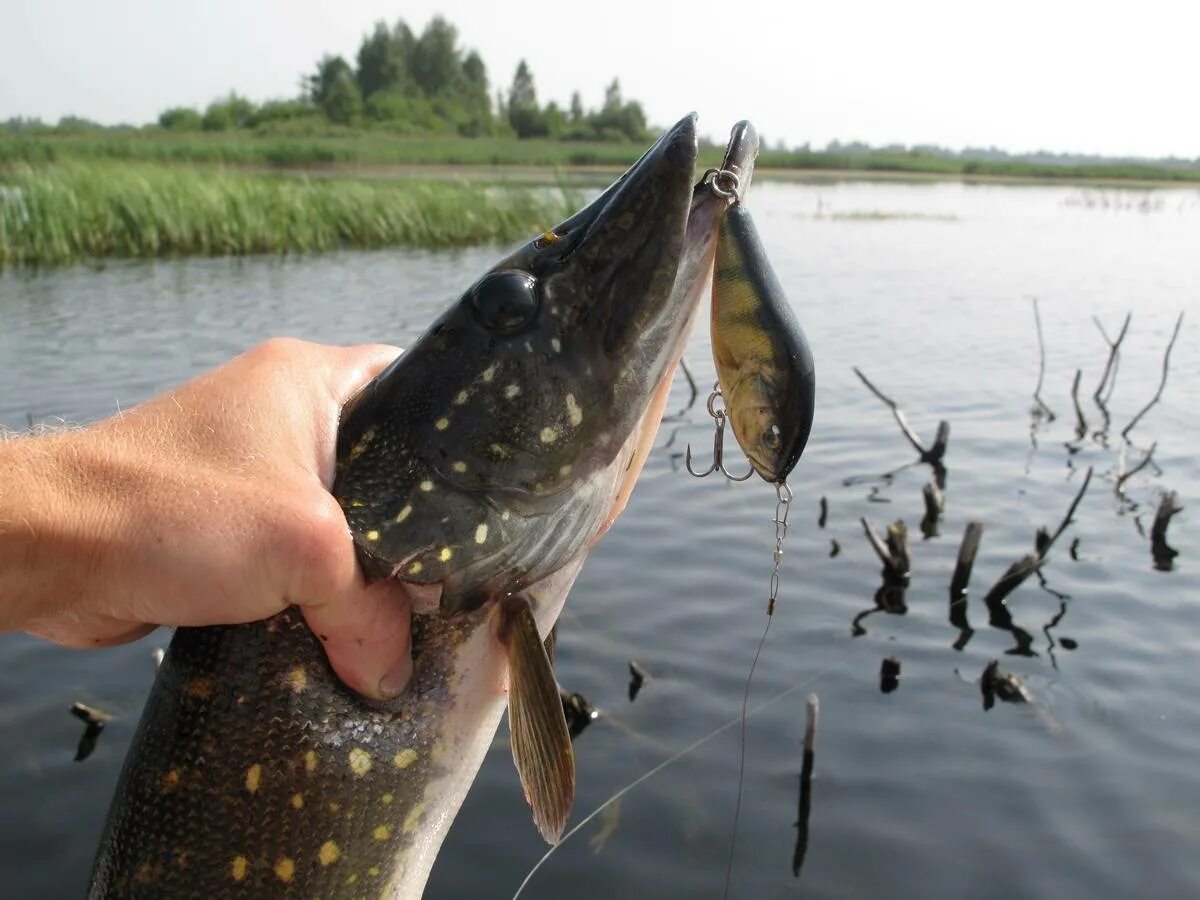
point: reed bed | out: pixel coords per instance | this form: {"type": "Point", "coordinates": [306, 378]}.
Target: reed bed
{"type": "Point", "coordinates": [67, 212]}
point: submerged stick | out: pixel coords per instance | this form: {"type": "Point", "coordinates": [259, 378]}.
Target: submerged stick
{"type": "Point", "coordinates": [804, 810]}
{"type": "Point", "coordinates": [1123, 477]}
{"type": "Point", "coordinates": [1041, 407]}
{"type": "Point", "coordinates": [892, 552]}
{"type": "Point", "coordinates": [967, 551]}
{"type": "Point", "coordinates": [1163, 553]}
{"type": "Point", "coordinates": [1162, 384]}
{"type": "Point", "coordinates": [1114, 348]}
{"type": "Point", "coordinates": [935, 504]}
{"type": "Point", "coordinates": [1080, 421]}
{"type": "Point", "coordinates": [931, 455]}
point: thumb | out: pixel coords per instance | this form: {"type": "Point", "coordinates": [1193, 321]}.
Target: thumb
{"type": "Point", "coordinates": [367, 635]}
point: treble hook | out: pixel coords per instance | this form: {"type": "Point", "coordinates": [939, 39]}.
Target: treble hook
{"type": "Point", "coordinates": [718, 463]}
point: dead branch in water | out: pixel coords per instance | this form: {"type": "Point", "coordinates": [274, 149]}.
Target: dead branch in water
{"type": "Point", "coordinates": [1162, 384]}
{"type": "Point", "coordinates": [1080, 421]}
{"type": "Point", "coordinates": [1110, 369]}
{"type": "Point", "coordinates": [1162, 552]}
{"type": "Point", "coordinates": [1041, 408]}
{"type": "Point", "coordinates": [935, 504]}
{"type": "Point", "coordinates": [892, 552]}
{"type": "Point", "coordinates": [1019, 571]}
{"type": "Point", "coordinates": [931, 455]}
{"type": "Point", "coordinates": [1123, 476]}
{"type": "Point", "coordinates": [958, 584]}
{"type": "Point", "coordinates": [804, 807]}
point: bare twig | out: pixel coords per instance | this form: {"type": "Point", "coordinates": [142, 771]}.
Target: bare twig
{"type": "Point", "coordinates": [1162, 384]}
{"type": "Point", "coordinates": [1114, 348]}
{"type": "Point", "coordinates": [805, 802]}
{"type": "Point", "coordinates": [1080, 421]}
{"type": "Point", "coordinates": [824, 513]}
{"type": "Point", "coordinates": [932, 455]}
{"type": "Point", "coordinates": [1037, 391]}
{"type": "Point", "coordinates": [1123, 476]}
{"type": "Point", "coordinates": [1019, 571]}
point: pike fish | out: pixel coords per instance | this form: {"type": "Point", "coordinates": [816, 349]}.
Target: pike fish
{"type": "Point", "coordinates": [763, 360]}
{"type": "Point", "coordinates": [484, 463]}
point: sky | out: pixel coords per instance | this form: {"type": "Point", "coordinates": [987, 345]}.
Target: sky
{"type": "Point", "coordinates": [1118, 79]}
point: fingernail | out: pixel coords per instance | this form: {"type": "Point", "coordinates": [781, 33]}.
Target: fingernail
{"type": "Point", "coordinates": [392, 684]}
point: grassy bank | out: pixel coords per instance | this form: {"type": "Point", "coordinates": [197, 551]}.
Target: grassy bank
{"type": "Point", "coordinates": [347, 147]}
{"type": "Point", "coordinates": [70, 211]}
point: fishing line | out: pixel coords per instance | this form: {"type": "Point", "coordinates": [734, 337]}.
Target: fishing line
{"type": "Point", "coordinates": [783, 499]}
{"type": "Point", "coordinates": [700, 742]}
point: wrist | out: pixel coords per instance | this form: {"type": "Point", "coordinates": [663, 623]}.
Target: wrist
{"type": "Point", "coordinates": [52, 527]}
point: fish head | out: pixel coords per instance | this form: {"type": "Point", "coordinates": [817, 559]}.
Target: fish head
{"type": "Point", "coordinates": [490, 453]}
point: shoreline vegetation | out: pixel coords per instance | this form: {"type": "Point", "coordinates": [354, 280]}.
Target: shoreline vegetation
{"type": "Point", "coordinates": [404, 145]}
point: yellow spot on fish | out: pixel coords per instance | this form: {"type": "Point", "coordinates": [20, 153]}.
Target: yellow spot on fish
{"type": "Point", "coordinates": [549, 237]}
{"type": "Point", "coordinates": [237, 868]}
{"type": "Point", "coordinates": [382, 832]}
{"type": "Point", "coordinates": [199, 688]}
{"type": "Point", "coordinates": [386, 799]}
{"type": "Point", "coordinates": [574, 413]}
{"type": "Point", "coordinates": [489, 373]}
{"type": "Point", "coordinates": [297, 680]}
{"type": "Point", "coordinates": [372, 535]}
{"type": "Point", "coordinates": [328, 854]}
{"type": "Point", "coordinates": [357, 504]}
{"type": "Point", "coordinates": [427, 485]}
{"type": "Point", "coordinates": [414, 816]}
{"type": "Point", "coordinates": [442, 424]}
{"type": "Point", "coordinates": [505, 516]}
{"type": "Point", "coordinates": [171, 780]}
{"type": "Point", "coordinates": [564, 471]}
{"type": "Point", "coordinates": [499, 450]}
{"type": "Point", "coordinates": [548, 435]}
{"type": "Point", "coordinates": [461, 398]}
{"type": "Point", "coordinates": [298, 801]}
{"type": "Point", "coordinates": [334, 807]}
{"type": "Point", "coordinates": [253, 778]}
{"type": "Point", "coordinates": [415, 568]}
{"type": "Point", "coordinates": [310, 762]}
{"type": "Point", "coordinates": [363, 443]}
{"type": "Point", "coordinates": [445, 555]}
{"type": "Point", "coordinates": [513, 390]}
{"type": "Point", "coordinates": [459, 466]}
{"type": "Point", "coordinates": [373, 871]}
{"type": "Point", "coordinates": [360, 761]}
{"type": "Point", "coordinates": [405, 758]}
{"type": "Point", "coordinates": [404, 514]}
{"type": "Point", "coordinates": [351, 879]}
{"type": "Point", "coordinates": [285, 869]}
{"type": "Point", "coordinates": [481, 531]}
{"type": "Point", "coordinates": [556, 345]}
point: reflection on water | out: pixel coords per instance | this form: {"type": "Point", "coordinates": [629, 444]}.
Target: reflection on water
{"type": "Point", "coordinates": [935, 307]}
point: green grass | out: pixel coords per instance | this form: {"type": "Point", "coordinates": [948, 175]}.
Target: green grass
{"type": "Point", "coordinates": [71, 211]}
{"type": "Point", "coordinates": [346, 147]}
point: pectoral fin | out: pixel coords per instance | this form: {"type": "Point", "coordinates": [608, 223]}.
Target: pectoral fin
{"type": "Point", "coordinates": [540, 743]}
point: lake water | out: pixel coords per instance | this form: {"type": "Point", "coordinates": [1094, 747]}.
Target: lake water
{"type": "Point", "coordinates": [1093, 790]}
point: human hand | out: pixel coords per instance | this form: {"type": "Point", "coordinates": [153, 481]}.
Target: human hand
{"type": "Point", "coordinates": [207, 505]}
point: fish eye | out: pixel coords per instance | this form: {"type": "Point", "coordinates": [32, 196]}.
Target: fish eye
{"type": "Point", "coordinates": [770, 438]}
{"type": "Point", "coordinates": [504, 301]}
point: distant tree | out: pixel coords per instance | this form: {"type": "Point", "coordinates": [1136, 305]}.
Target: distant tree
{"type": "Point", "coordinates": [435, 64]}
{"type": "Point", "coordinates": [76, 125]}
{"type": "Point", "coordinates": [554, 120]}
{"type": "Point", "coordinates": [612, 97]}
{"type": "Point", "coordinates": [526, 119]}
{"type": "Point", "coordinates": [281, 111]}
{"type": "Point", "coordinates": [228, 112]}
{"type": "Point", "coordinates": [576, 107]}
{"type": "Point", "coordinates": [329, 70]}
{"type": "Point", "coordinates": [381, 62]}
{"type": "Point", "coordinates": [343, 102]}
{"type": "Point", "coordinates": [180, 118]}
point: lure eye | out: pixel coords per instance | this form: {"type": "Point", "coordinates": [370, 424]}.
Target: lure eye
{"type": "Point", "coordinates": [770, 438]}
{"type": "Point", "coordinates": [505, 301]}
